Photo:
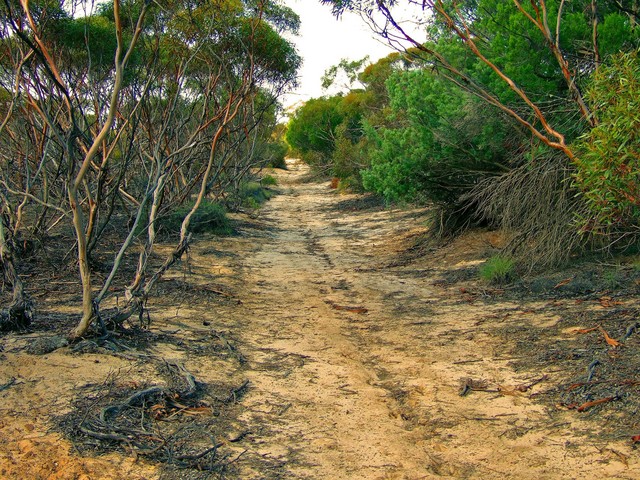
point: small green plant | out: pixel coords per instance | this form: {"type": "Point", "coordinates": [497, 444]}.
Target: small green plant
{"type": "Point", "coordinates": [268, 181]}
{"type": "Point", "coordinates": [498, 270]}
{"type": "Point", "coordinates": [210, 217]}
{"type": "Point", "coordinates": [253, 194]}
{"type": "Point", "coordinates": [612, 279]}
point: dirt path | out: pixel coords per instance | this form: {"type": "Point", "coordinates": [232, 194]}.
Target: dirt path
{"type": "Point", "coordinates": [354, 351]}
{"type": "Point", "coordinates": [341, 392]}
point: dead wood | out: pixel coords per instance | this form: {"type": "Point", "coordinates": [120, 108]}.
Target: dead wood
{"type": "Point", "coordinates": [9, 384]}
{"type": "Point", "coordinates": [19, 314]}
{"type": "Point", "coordinates": [171, 424]}
{"type": "Point", "coordinates": [237, 393]}
{"type": "Point", "coordinates": [470, 384]}
{"type": "Point", "coordinates": [232, 349]}
{"type": "Point", "coordinates": [630, 331]}
{"type": "Point", "coordinates": [133, 400]}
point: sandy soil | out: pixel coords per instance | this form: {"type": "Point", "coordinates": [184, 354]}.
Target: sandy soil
{"type": "Point", "coordinates": [356, 360]}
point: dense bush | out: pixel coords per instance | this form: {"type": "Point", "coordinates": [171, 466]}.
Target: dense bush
{"type": "Point", "coordinates": [311, 131]}
{"type": "Point", "coordinates": [443, 142]}
{"type": "Point", "coordinates": [494, 127]}
{"type": "Point", "coordinates": [608, 162]}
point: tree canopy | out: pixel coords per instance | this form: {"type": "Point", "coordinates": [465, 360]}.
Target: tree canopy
{"type": "Point", "coordinates": [128, 113]}
{"type": "Point", "coordinates": [496, 103]}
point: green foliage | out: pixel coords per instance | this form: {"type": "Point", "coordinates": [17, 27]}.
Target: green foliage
{"type": "Point", "coordinates": [253, 194]}
{"type": "Point", "coordinates": [442, 143]}
{"type": "Point", "coordinates": [312, 128]}
{"type": "Point", "coordinates": [426, 128]}
{"type": "Point", "coordinates": [269, 180]}
{"type": "Point", "coordinates": [275, 57]}
{"type": "Point", "coordinates": [347, 68]}
{"type": "Point", "coordinates": [609, 154]}
{"type": "Point", "coordinates": [211, 217]}
{"type": "Point", "coordinates": [498, 270]}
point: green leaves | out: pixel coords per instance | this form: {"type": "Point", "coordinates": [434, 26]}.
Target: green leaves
{"type": "Point", "coordinates": [312, 128]}
{"type": "Point", "coordinates": [608, 165]}
{"type": "Point", "coordinates": [445, 142]}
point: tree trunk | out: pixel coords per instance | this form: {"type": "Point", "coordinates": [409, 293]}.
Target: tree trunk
{"type": "Point", "coordinates": [19, 314]}
{"type": "Point", "coordinates": [83, 265]}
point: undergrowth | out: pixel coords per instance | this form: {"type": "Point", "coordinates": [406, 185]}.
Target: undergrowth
{"type": "Point", "coordinates": [253, 194]}
{"type": "Point", "coordinates": [211, 217]}
{"type": "Point", "coordinates": [498, 270]}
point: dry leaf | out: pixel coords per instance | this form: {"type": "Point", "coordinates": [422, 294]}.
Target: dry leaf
{"type": "Point", "coordinates": [611, 341]}
{"type": "Point", "coordinates": [608, 302]}
{"type": "Point", "coordinates": [574, 386]}
{"type": "Point", "coordinates": [588, 405]}
{"type": "Point", "coordinates": [564, 282]}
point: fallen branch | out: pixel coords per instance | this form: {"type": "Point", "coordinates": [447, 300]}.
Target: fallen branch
{"type": "Point", "coordinates": [469, 384]}
{"type": "Point", "coordinates": [198, 456]}
{"type": "Point", "coordinates": [347, 308]}
{"type": "Point", "coordinates": [587, 405]}
{"type": "Point", "coordinates": [131, 401]}
{"type": "Point", "coordinates": [630, 330]}
{"type": "Point", "coordinates": [236, 393]}
{"type": "Point", "coordinates": [9, 384]}
{"type": "Point", "coordinates": [591, 369]}
{"type": "Point", "coordinates": [522, 388]}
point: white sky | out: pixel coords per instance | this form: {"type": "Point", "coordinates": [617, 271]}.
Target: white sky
{"type": "Point", "coordinates": [324, 41]}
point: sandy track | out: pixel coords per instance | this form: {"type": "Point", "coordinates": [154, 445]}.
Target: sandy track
{"type": "Point", "coordinates": [343, 393]}
{"type": "Point", "coordinates": [355, 359]}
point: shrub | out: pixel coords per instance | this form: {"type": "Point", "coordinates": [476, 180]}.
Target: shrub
{"type": "Point", "coordinates": [275, 153]}
{"type": "Point", "coordinates": [498, 270]}
{"type": "Point", "coordinates": [608, 164]}
{"type": "Point", "coordinates": [210, 217]}
{"type": "Point", "coordinates": [537, 205]}
{"type": "Point", "coordinates": [312, 128]}
{"type": "Point", "coordinates": [253, 194]}
{"type": "Point", "coordinates": [269, 180]}
{"type": "Point", "coordinates": [442, 143]}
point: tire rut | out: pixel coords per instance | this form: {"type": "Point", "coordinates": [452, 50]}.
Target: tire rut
{"type": "Point", "coordinates": [356, 366]}
{"type": "Point", "coordinates": [331, 419]}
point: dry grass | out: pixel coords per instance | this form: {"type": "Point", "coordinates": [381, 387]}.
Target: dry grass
{"type": "Point", "coordinates": [538, 205]}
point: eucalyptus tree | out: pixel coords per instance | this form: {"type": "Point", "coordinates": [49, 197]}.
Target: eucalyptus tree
{"type": "Point", "coordinates": [517, 48]}
{"type": "Point", "coordinates": [130, 106]}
